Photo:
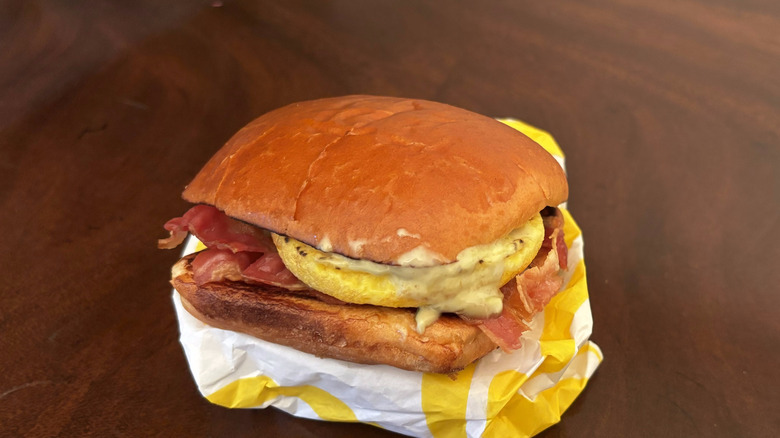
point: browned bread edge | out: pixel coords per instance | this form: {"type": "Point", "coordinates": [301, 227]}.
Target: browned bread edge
{"type": "Point", "coordinates": [356, 333]}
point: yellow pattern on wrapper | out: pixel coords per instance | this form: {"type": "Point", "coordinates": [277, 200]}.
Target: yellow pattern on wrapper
{"type": "Point", "coordinates": [444, 402]}
{"type": "Point", "coordinates": [521, 416]}
{"type": "Point", "coordinates": [255, 391]}
{"type": "Point", "coordinates": [500, 395]}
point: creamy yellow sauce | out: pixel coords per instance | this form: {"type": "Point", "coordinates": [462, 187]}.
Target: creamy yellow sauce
{"type": "Point", "coordinates": [419, 257]}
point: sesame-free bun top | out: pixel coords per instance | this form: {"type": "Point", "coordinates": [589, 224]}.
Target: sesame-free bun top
{"type": "Point", "coordinates": [376, 177]}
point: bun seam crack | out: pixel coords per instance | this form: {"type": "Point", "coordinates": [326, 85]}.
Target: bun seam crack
{"type": "Point", "coordinates": [309, 175]}
{"type": "Point", "coordinates": [536, 181]}
{"type": "Point", "coordinates": [230, 157]}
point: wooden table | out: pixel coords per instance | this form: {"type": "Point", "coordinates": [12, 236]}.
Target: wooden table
{"type": "Point", "coordinates": [669, 113]}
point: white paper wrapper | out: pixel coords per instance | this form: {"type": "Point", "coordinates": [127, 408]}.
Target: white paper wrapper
{"type": "Point", "coordinates": [517, 394]}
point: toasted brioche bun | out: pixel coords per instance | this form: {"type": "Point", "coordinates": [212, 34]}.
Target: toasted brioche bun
{"type": "Point", "coordinates": [376, 177]}
{"type": "Point", "coordinates": [356, 333]}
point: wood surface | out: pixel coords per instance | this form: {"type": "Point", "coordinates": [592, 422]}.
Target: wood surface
{"type": "Point", "coordinates": [669, 113]}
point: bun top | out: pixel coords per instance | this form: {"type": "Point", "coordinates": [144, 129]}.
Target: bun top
{"type": "Point", "coordinates": [378, 177]}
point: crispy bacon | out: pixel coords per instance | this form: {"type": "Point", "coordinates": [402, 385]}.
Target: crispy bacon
{"type": "Point", "coordinates": [504, 330]}
{"type": "Point", "coordinates": [216, 230]}
{"type": "Point", "coordinates": [270, 269]}
{"type": "Point", "coordinates": [528, 293]}
{"type": "Point", "coordinates": [178, 234]}
{"type": "Point", "coordinates": [236, 250]}
{"type": "Point", "coordinates": [215, 264]}
{"type": "Point", "coordinates": [553, 235]}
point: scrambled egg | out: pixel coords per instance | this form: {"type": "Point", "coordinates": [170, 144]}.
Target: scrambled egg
{"type": "Point", "coordinates": [468, 286]}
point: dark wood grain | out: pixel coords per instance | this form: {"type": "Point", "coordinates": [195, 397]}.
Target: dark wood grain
{"type": "Point", "coordinates": [669, 113]}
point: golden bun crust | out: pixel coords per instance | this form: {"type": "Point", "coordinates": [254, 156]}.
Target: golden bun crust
{"type": "Point", "coordinates": [380, 176]}
{"type": "Point", "coordinates": [356, 333]}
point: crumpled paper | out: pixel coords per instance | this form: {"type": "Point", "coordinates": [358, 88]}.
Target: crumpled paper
{"type": "Point", "coordinates": [518, 394]}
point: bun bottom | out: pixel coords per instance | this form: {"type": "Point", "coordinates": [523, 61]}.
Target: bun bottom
{"type": "Point", "coordinates": [357, 333]}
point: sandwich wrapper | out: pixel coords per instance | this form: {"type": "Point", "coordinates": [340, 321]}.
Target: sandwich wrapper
{"type": "Point", "coordinates": [518, 394]}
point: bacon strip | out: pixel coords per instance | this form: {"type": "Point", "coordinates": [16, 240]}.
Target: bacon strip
{"type": "Point", "coordinates": [528, 293]}
{"type": "Point", "coordinates": [216, 230]}
{"type": "Point", "coordinates": [553, 235]}
{"type": "Point", "coordinates": [235, 250]}
{"type": "Point", "coordinates": [216, 264]}
{"type": "Point", "coordinates": [270, 269]}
